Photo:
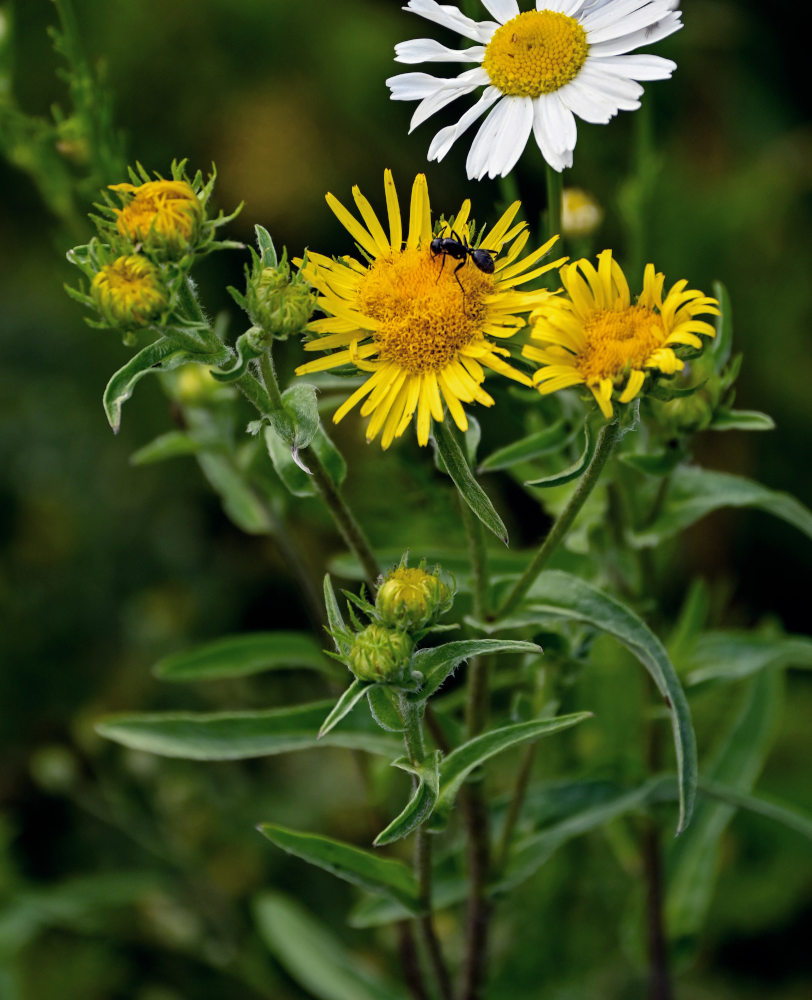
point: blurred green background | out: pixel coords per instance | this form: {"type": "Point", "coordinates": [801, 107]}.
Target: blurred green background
{"type": "Point", "coordinates": [122, 876]}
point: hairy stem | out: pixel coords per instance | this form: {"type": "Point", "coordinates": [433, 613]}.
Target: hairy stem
{"type": "Point", "coordinates": [608, 437]}
{"type": "Point", "coordinates": [516, 802]}
{"type": "Point", "coordinates": [415, 748]}
{"type": "Point", "coordinates": [478, 554]}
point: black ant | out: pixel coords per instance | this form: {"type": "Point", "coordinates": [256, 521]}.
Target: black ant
{"type": "Point", "coordinates": [459, 249]}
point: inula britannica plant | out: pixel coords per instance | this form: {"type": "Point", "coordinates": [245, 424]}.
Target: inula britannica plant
{"type": "Point", "coordinates": [471, 443]}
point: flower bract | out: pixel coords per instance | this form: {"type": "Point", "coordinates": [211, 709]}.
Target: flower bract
{"type": "Point", "coordinates": [421, 317]}
{"type": "Point", "coordinates": [595, 336]}
{"type": "Point", "coordinates": [539, 69]}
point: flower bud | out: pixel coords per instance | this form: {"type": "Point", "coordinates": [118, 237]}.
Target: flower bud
{"type": "Point", "coordinates": [129, 292]}
{"type": "Point", "coordinates": [165, 216]}
{"type": "Point", "coordinates": [280, 305]}
{"type": "Point", "coordinates": [379, 653]}
{"type": "Point", "coordinates": [412, 598]}
{"type": "Point", "coordinates": [581, 213]}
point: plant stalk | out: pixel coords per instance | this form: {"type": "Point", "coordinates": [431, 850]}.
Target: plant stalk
{"type": "Point", "coordinates": [608, 437]}
{"type": "Point", "coordinates": [555, 187]}
{"type": "Point", "coordinates": [478, 554]}
{"type": "Point", "coordinates": [415, 748]}
{"type": "Point", "coordinates": [516, 802]}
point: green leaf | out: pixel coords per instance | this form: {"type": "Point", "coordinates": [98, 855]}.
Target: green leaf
{"type": "Point", "coordinates": [240, 500]}
{"type": "Point", "coordinates": [438, 663]}
{"type": "Point", "coordinates": [658, 463]}
{"type": "Point", "coordinates": [421, 805]}
{"type": "Point", "coordinates": [530, 853]}
{"type": "Point", "coordinates": [456, 767]}
{"type": "Point", "coordinates": [334, 617]}
{"type": "Point", "coordinates": [741, 420]}
{"type": "Point", "coordinates": [693, 858]}
{"type": "Point", "coordinates": [373, 911]}
{"type": "Point", "coordinates": [385, 876]}
{"type": "Point", "coordinates": [723, 341]}
{"type": "Point", "coordinates": [788, 816]}
{"type": "Point", "coordinates": [238, 735]}
{"type": "Point", "coordinates": [298, 481]}
{"type": "Point", "coordinates": [696, 492]}
{"type": "Point", "coordinates": [161, 355]}
{"type": "Point", "coordinates": [241, 655]}
{"type": "Point", "coordinates": [565, 596]}
{"type": "Point", "coordinates": [385, 711]}
{"type": "Point", "coordinates": [468, 488]}
{"type": "Point", "coordinates": [248, 347]}
{"type": "Point", "coordinates": [302, 413]}
{"type": "Point", "coordinates": [575, 470]}
{"type": "Point", "coordinates": [313, 957]}
{"type": "Point", "coordinates": [170, 445]}
{"type": "Point", "coordinates": [551, 439]}
{"type": "Point", "coordinates": [345, 704]}
{"type": "Point", "coordinates": [722, 655]}
{"type": "Point", "coordinates": [267, 251]}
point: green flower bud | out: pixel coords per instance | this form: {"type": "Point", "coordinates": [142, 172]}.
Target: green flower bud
{"type": "Point", "coordinates": [379, 653]}
{"type": "Point", "coordinates": [129, 292]}
{"type": "Point", "coordinates": [280, 305]}
{"type": "Point", "coordinates": [412, 598]}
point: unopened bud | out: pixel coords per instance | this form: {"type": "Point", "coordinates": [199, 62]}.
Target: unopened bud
{"type": "Point", "coordinates": [412, 598]}
{"type": "Point", "coordinates": [280, 305]}
{"type": "Point", "coordinates": [165, 216]}
{"type": "Point", "coordinates": [581, 213]}
{"type": "Point", "coordinates": [129, 292]}
{"type": "Point", "coordinates": [379, 653]}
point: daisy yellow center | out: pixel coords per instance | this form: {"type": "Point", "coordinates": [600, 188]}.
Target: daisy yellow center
{"type": "Point", "coordinates": [617, 340]}
{"type": "Point", "coordinates": [535, 53]}
{"type": "Point", "coordinates": [425, 316]}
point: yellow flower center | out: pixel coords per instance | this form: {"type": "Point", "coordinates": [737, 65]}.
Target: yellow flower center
{"type": "Point", "coordinates": [617, 340]}
{"type": "Point", "coordinates": [535, 53]}
{"type": "Point", "coordinates": [425, 315]}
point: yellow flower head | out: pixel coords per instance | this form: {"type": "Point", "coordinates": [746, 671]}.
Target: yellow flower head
{"type": "Point", "coordinates": [419, 320]}
{"type": "Point", "coordinates": [412, 598]}
{"type": "Point", "coordinates": [594, 336]}
{"type": "Point", "coordinates": [129, 292]}
{"type": "Point", "coordinates": [165, 216]}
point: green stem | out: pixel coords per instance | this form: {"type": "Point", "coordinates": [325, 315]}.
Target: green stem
{"type": "Point", "coordinates": [478, 555]}
{"type": "Point", "coordinates": [410, 713]}
{"type": "Point", "coordinates": [267, 398]}
{"type": "Point", "coordinates": [555, 187]}
{"type": "Point", "coordinates": [608, 437]}
{"type": "Point", "coordinates": [516, 802]}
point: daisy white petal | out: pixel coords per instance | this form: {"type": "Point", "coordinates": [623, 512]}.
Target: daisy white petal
{"type": "Point", "coordinates": [413, 86]}
{"type": "Point", "coordinates": [427, 50]}
{"type": "Point", "coordinates": [451, 17]}
{"type": "Point", "coordinates": [567, 58]}
{"type": "Point", "coordinates": [447, 136]}
{"type": "Point", "coordinates": [502, 10]}
{"type": "Point", "coordinates": [463, 84]}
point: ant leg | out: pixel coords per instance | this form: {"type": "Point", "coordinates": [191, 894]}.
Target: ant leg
{"type": "Point", "coordinates": [457, 277]}
{"type": "Point", "coordinates": [442, 265]}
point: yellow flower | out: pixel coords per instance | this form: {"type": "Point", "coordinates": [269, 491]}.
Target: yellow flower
{"type": "Point", "coordinates": [420, 322]}
{"type": "Point", "coordinates": [129, 292]}
{"type": "Point", "coordinates": [594, 336]}
{"type": "Point", "coordinates": [412, 598]}
{"type": "Point", "coordinates": [163, 215]}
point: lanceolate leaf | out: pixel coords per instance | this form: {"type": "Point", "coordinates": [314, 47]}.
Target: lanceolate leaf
{"type": "Point", "coordinates": [695, 492]}
{"type": "Point", "coordinates": [240, 655]}
{"type": "Point", "coordinates": [162, 355]}
{"type": "Point", "coordinates": [334, 617]}
{"type": "Point", "coordinates": [369, 871]}
{"type": "Point", "coordinates": [241, 502]}
{"type": "Point", "coordinates": [741, 420]}
{"type": "Point", "coordinates": [575, 470]}
{"type": "Point", "coordinates": [468, 488]}
{"type": "Point", "coordinates": [420, 805]}
{"type": "Point", "coordinates": [530, 853]}
{"type": "Point", "coordinates": [438, 663]}
{"type": "Point", "coordinates": [565, 596]}
{"type": "Point", "coordinates": [727, 656]}
{"type": "Point", "coordinates": [788, 816]}
{"type": "Point", "coordinates": [238, 735]}
{"type": "Point", "coordinates": [541, 443]}
{"type": "Point", "coordinates": [693, 858]}
{"type": "Point", "coordinates": [313, 957]}
{"type": "Point", "coordinates": [345, 704]}
{"type": "Point", "coordinates": [169, 445]}
{"type": "Point", "coordinates": [456, 767]}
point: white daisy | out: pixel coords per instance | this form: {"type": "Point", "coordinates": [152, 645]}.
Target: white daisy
{"type": "Point", "coordinates": [539, 69]}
